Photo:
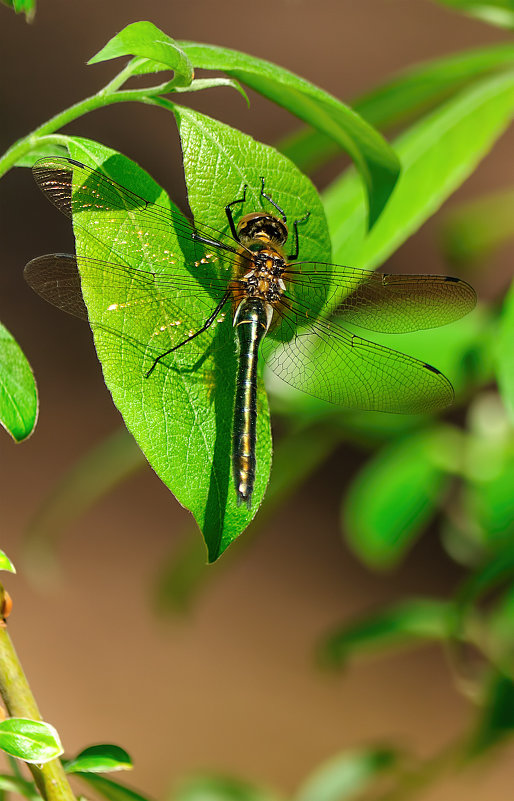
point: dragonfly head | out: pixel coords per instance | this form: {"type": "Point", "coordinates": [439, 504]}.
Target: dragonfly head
{"type": "Point", "coordinates": [260, 228]}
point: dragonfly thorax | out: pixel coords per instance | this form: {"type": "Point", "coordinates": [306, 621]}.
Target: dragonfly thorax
{"type": "Point", "coordinates": [264, 278]}
{"type": "Point", "coordinates": [260, 228]}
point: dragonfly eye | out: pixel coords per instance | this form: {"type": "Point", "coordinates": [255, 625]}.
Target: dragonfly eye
{"type": "Point", "coordinates": [261, 227]}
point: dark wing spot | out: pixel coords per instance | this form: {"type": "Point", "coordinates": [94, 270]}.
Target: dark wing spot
{"type": "Point", "coordinates": [433, 369]}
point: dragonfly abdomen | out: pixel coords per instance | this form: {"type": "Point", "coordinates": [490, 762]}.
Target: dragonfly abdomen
{"type": "Point", "coordinates": [251, 322]}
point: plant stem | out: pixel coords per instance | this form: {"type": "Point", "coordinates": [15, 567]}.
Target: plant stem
{"type": "Point", "coordinates": [50, 778]}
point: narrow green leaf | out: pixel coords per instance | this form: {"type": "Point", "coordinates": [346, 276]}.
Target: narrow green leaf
{"type": "Point", "coordinates": [496, 12]}
{"type": "Point", "coordinates": [103, 758]}
{"type": "Point", "coordinates": [394, 496]}
{"type": "Point", "coordinates": [505, 357]}
{"type": "Point", "coordinates": [18, 392]}
{"type": "Point", "coordinates": [437, 154]}
{"type": "Point", "coordinates": [30, 740]}
{"type": "Point", "coordinates": [403, 98]}
{"type": "Point", "coordinates": [346, 776]}
{"type": "Point", "coordinates": [13, 784]}
{"type": "Point", "coordinates": [220, 788]}
{"type": "Point", "coordinates": [27, 7]}
{"type": "Point", "coordinates": [145, 40]}
{"type": "Point", "coordinates": [472, 230]}
{"type": "Point", "coordinates": [497, 718]}
{"type": "Point", "coordinates": [6, 564]}
{"type": "Point", "coordinates": [377, 164]}
{"type": "Point", "coordinates": [410, 622]}
{"type": "Point", "coordinates": [111, 790]}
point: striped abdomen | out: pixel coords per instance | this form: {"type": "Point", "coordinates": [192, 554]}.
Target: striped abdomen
{"type": "Point", "coordinates": [251, 322]}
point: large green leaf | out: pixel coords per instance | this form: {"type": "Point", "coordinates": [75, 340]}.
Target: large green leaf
{"type": "Point", "coordinates": [403, 98]}
{"type": "Point", "coordinates": [437, 154]}
{"type": "Point", "coordinates": [506, 353]}
{"type": "Point", "coordinates": [18, 392]}
{"type": "Point", "coordinates": [182, 416]}
{"type": "Point", "coordinates": [377, 164]}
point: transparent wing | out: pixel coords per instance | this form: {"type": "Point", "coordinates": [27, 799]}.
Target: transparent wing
{"type": "Point", "coordinates": [384, 301]}
{"type": "Point", "coordinates": [131, 300]}
{"type": "Point", "coordinates": [329, 362]}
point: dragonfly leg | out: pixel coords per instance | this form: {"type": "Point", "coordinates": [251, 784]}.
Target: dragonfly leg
{"type": "Point", "coordinates": [204, 327]}
{"type": "Point", "coordinates": [303, 219]}
{"type": "Point", "coordinates": [228, 212]}
{"type": "Point", "coordinates": [267, 197]}
{"type": "Point", "coordinates": [211, 242]}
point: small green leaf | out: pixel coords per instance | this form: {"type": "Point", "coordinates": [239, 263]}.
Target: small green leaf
{"type": "Point", "coordinates": [472, 230]}
{"type": "Point", "coordinates": [6, 564]}
{"type": "Point", "coordinates": [394, 496]}
{"type": "Point", "coordinates": [346, 776]}
{"type": "Point", "coordinates": [377, 164]}
{"type": "Point", "coordinates": [437, 154]}
{"type": "Point", "coordinates": [18, 393]}
{"type": "Point", "coordinates": [30, 740]}
{"type": "Point", "coordinates": [496, 12]}
{"type": "Point", "coordinates": [410, 622]}
{"type": "Point", "coordinates": [505, 358]}
{"type": "Point", "coordinates": [27, 7]}
{"type": "Point", "coordinates": [145, 40]}
{"type": "Point", "coordinates": [16, 785]}
{"type": "Point", "coordinates": [497, 718]}
{"type": "Point", "coordinates": [103, 758]}
{"type": "Point", "coordinates": [220, 788]}
{"type": "Point", "coordinates": [111, 790]}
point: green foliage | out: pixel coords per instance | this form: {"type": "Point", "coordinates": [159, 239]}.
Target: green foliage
{"type": "Point", "coordinates": [18, 393]}
{"type": "Point", "coordinates": [504, 355]}
{"type": "Point", "coordinates": [473, 230]}
{"type": "Point", "coordinates": [437, 154]}
{"type": "Point", "coordinates": [407, 623]}
{"type": "Point", "coordinates": [219, 788]}
{"type": "Point", "coordinates": [103, 758]}
{"type": "Point", "coordinates": [380, 519]}
{"type": "Point", "coordinates": [144, 41]}
{"type": "Point", "coordinates": [404, 98]}
{"type": "Point", "coordinates": [27, 7]}
{"type": "Point", "coordinates": [6, 564]}
{"type": "Point", "coordinates": [346, 776]}
{"type": "Point", "coordinates": [496, 12]}
{"type": "Point", "coordinates": [30, 740]}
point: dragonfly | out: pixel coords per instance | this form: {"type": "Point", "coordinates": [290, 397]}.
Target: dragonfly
{"type": "Point", "coordinates": [185, 279]}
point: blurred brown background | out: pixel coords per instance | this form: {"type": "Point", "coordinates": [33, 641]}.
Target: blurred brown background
{"type": "Point", "coordinates": [233, 686]}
